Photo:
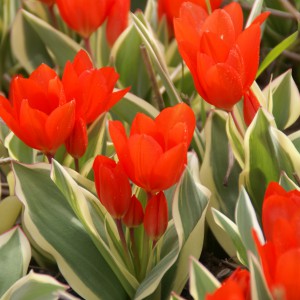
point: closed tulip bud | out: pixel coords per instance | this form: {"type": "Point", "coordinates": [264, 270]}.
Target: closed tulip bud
{"type": "Point", "coordinates": [112, 185]}
{"type": "Point", "coordinates": [156, 216]}
{"type": "Point", "coordinates": [135, 214]}
{"type": "Point", "coordinates": [251, 106]}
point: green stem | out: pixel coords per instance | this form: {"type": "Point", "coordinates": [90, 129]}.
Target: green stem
{"type": "Point", "coordinates": [122, 238]}
{"type": "Point", "coordinates": [136, 258]}
{"type": "Point", "coordinates": [76, 162]}
{"type": "Point", "coordinates": [236, 123]}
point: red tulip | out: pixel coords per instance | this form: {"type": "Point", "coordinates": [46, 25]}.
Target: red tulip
{"type": "Point", "coordinates": [135, 214]}
{"type": "Point", "coordinates": [37, 111]}
{"type": "Point", "coordinates": [236, 287]}
{"type": "Point", "coordinates": [92, 89]}
{"type": "Point", "coordinates": [155, 154]}
{"type": "Point", "coordinates": [112, 185]}
{"type": "Point", "coordinates": [117, 20]}
{"type": "Point", "coordinates": [84, 16]}
{"type": "Point", "coordinates": [251, 106]}
{"type": "Point", "coordinates": [222, 58]}
{"type": "Point", "coordinates": [170, 8]}
{"type": "Point", "coordinates": [156, 216]}
{"type": "Point", "coordinates": [280, 255]}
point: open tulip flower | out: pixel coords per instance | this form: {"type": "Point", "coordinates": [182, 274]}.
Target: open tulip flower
{"type": "Point", "coordinates": [222, 57]}
{"type": "Point", "coordinates": [280, 255]}
{"type": "Point", "coordinates": [155, 154]}
{"type": "Point", "coordinates": [92, 90]}
{"type": "Point", "coordinates": [37, 111]}
{"type": "Point", "coordinates": [170, 8]}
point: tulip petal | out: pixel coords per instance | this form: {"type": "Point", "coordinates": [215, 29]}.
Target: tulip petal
{"type": "Point", "coordinates": [33, 122]}
{"type": "Point", "coordinates": [42, 75]}
{"type": "Point", "coordinates": [287, 276]}
{"type": "Point", "coordinates": [168, 168]}
{"type": "Point", "coordinates": [59, 125]}
{"type": "Point", "coordinates": [115, 97]}
{"type": "Point", "coordinates": [145, 153]}
{"type": "Point", "coordinates": [220, 23]}
{"type": "Point", "coordinates": [236, 15]}
{"type": "Point", "coordinates": [249, 52]}
{"type": "Point", "coordinates": [222, 83]}
{"type": "Point", "coordinates": [82, 62]}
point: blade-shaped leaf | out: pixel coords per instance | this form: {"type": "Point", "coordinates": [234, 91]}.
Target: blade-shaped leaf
{"type": "Point", "coordinates": [37, 286]}
{"type": "Point", "coordinates": [201, 280]}
{"type": "Point", "coordinates": [56, 229]}
{"type": "Point", "coordinates": [15, 255]}
{"type": "Point", "coordinates": [62, 47]}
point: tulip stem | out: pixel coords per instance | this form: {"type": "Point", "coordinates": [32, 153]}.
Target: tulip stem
{"type": "Point", "coordinates": [76, 162]}
{"type": "Point", "coordinates": [49, 157]}
{"type": "Point", "coordinates": [135, 252]}
{"type": "Point", "coordinates": [236, 123]}
{"type": "Point", "coordinates": [87, 43]}
{"type": "Point", "coordinates": [122, 237]}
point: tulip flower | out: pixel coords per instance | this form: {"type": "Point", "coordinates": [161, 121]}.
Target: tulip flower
{"type": "Point", "coordinates": [280, 255]}
{"type": "Point", "coordinates": [37, 111]}
{"type": "Point", "coordinates": [112, 185]}
{"type": "Point", "coordinates": [156, 216]}
{"type": "Point", "coordinates": [135, 214]}
{"type": "Point", "coordinates": [236, 287]}
{"type": "Point", "coordinates": [223, 58]}
{"type": "Point", "coordinates": [85, 16]}
{"type": "Point", "coordinates": [92, 90]}
{"type": "Point", "coordinates": [170, 8]}
{"type": "Point", "coordinates": [155, 154]}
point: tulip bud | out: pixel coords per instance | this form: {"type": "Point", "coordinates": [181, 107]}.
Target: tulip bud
{"type": "Point", "coordinates": [156, 216]}
{"type": "Point", "coordinates": [251, 106]}
{"type": "Point", "coordinates": [112, 185]}
{"type": "Point", "coordinates": [135, 214]}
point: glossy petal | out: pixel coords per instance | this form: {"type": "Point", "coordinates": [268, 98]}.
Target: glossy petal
{"type": "Point", "coordinates": [249, 53]}
{"type": "Point", "coordinates": [82, 62]}
{"type": "Point", "coordinates": [217, 80]}
{"type": "Point", "coordinates": [59, 124]}
{"type": "Point", "coordinates": [145, 153]}
{"type": "Point", "coordinates": [135, 214]}
{"type": "Point", "coordinates": [156, 216]}
{"type": "Point", "coordinates": [168, 168]}
{"type": "Point", "coordinates": [250, 107]}
{"type": "Point", "coordinates": [236, 15]}
{"type": "Point", "coordinates": [117, 20]}
{"type": "Point", "coordinates": [77, 142]}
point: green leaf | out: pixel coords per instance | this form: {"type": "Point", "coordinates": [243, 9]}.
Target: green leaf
{"type": "Point", "coordinates": [259, 289]}
{"type": "Point", "coordinates": [156, 56]}
{"type": "Point", "coordinates": [233, 232]}
{"type": "Point", "coordinates": [18, 150]}
{"type": "Point", "coordinates": [284, 100]}
{"type": "Point", "coordinates": [213, 172]}
{"type": "Point", "coordinates": [15, 255]}
{"type": "Point", "coordinates": [246, 221]}
{"type": "Point", "coordinates": [127, 59]}
{"type": "Point", "coordinates": [53, 225]}
{"type": "Point", "coordinates": [201, 280]}
{"type": "Point", "coordinates": [36, 287]}
{"type": "Point", "coordinates": [10, 208]}
{"type": "Point", "coordinates": [27, 46]}
{"type": "Point", "coordinates": [61, 46]}
{"type": "Point", "coordinates": [81, 207]}
{"type": "Point", "coordinates": [276, 51]}
{"type": "Point", "coordinates": [268, 152]}
{"type": "Point", "coordinates": [287, 183]}
{"type": "Point", "coordinates": [255, 11]}
{"type": "Point", "coordinates": [189, 207]}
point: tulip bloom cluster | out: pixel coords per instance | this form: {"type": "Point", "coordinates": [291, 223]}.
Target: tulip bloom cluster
{"type": "Point", "coordinates": [153, 157]}
{"type": "Point", "coordinates": [280, 255]}
{"type": "Point", "coordinates": [46, 112]}
{"type": "Point", "coordinates": [222, 57]}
